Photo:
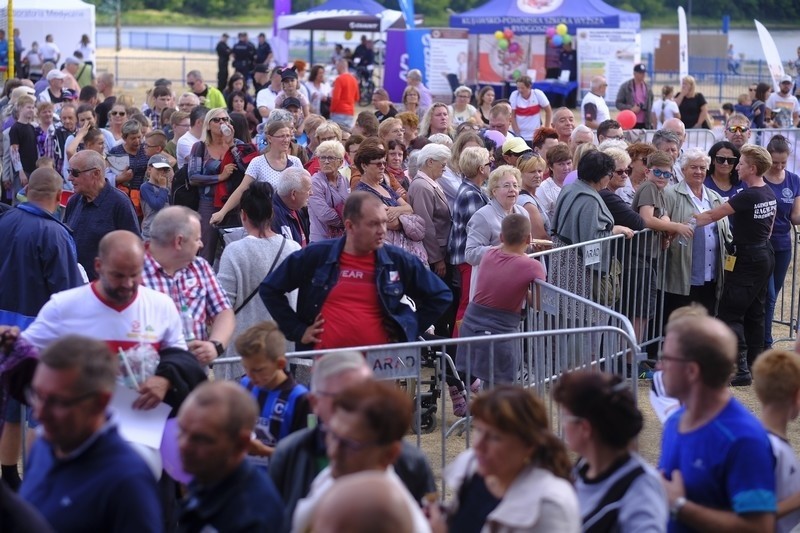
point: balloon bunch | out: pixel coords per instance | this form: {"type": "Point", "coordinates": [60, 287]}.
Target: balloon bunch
{"type": "Point", "coordinates": [558, 35]}
{"type": "Point", "coordinates": [510, 50]}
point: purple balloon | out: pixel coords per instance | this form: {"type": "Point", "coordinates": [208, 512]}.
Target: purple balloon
{"type": "Point", "coordinates": [495, 136]}
{"type": "Point", "coordinates": [550, 31]}
{"type": "Point", "coordinates": [513, 48]}
{"type": "Point", "coordinates": [170, 455]}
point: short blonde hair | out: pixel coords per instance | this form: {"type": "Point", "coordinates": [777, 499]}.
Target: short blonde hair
{"type": "Point", "coordinates": [758, 156]}
{"type": "Point", "coordinates": [532, 163]}
{"type": "Point", "coordinates": [619, 155]}
{"type": "Point", "coordinates": [472, 159]}
{"type": "Point", "coordinates": [498, 174]}
{"type": "Point", "coordinates": [330, 128]}
{"type": "Point", "coordinates": [776, 376]}
{"type": "Point", "coordinates": [330, 148]}
{"type": "Point", "coordinates": [263, 339]}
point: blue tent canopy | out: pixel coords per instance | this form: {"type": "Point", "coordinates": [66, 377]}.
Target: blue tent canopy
{"type": "Point", "coordinates": [533, 17]}
{"type": "Point", "coordinates": [343, 15]}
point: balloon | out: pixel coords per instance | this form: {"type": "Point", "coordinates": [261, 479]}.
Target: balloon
{"type": "Point", "coordinates": [170, 455]}
{"type": "Point", "coordinates": [516, 74]}
{"type": "Point", "coordinates": [513, 48]}
{"type": "Point", "coordinates": [550, 31]}
{"type": "Point", "coordinates": [508, 33]}
{"type": "Point", "coordinates": [348, 35]}
{"type": "Point", "coordinates": [557, 40]}
{"type": "Point", "coordinates": [498, 35]}
{"type": "Point", "coordinates": [567, 39]}
{"type": "Point", "coordinates": [561, 29]}
{"type": "Point", "coordinates": [626, 119]}
{"type": "Point", "coordinates": [502, 44]}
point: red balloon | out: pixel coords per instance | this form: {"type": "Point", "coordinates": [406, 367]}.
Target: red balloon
{"type": "Point", "coordinates": [626, 119]}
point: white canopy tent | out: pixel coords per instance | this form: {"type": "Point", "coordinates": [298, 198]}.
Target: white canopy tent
{"type": "Point", "coordinates": [65, 20]}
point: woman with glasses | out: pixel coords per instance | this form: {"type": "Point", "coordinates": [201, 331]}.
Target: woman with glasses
{"type": "Point", "coordinates": [116, 118]}
{"type": "Point", "coordinates": [516, 477]}
{"type": "Point", "coordinates": [461, 110]}
{"type": "Point", "coordinates": [637, 170]}
{"type": "Point", "coordinates": [206, 170]}
{"type": "Point", "coordinates": [694, 270]}
{"type": "Point", "coordinates": [266, 167]}
{"type": "Point", "coordinates": [722, 177]}
{"type": "Point", "coordinates": [786, 186]}
{"type": "Point", "coordinates": [617, 489]}
{"type": "Point", "coordinates": [328, 193]}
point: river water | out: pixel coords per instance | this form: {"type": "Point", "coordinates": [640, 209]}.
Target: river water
{"type": "Point", "coordinates": [744, 41]}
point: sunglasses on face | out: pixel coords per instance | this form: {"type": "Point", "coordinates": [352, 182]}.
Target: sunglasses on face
{"type": "Point", "coordinates": [380, 164]}
{"type": "Point", "coordinates": [738, 129]}
{"type": "Point", "coordinates": [217, 120]}
{"type": "Point", "coordinates": [74, 172]}
{"type": "Point", "coordinates": [726, 160]}
{"type": "Point", "coordinates": [621, 172]}
{"type": "Point", "coordinates": [662, 174]}
{"type": "Point", "coordinates": [118, 113]}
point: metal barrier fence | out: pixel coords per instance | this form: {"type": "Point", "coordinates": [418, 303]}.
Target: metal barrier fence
{"type": "Point", "coordinates": [704, 139]}
{"type": "Point", "coordinates": [786, 312]}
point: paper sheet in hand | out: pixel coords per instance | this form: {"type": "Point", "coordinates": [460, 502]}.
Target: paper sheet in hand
{"type": "Point", "coordinates": [144, 427]}
{"type": "Point", "coordinates": [118, 163]}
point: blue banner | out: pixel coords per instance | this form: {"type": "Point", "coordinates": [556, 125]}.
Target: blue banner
{"type": "Point", "coordinates": [407, 7]}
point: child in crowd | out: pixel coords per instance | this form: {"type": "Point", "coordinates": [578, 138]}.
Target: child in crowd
{"type": "Point", "coordinates": [502, 287]}
{"type": "Point", "coordinates": [283, 403]}
{"type": "Point", "coordinates": [155, 191]}
{"type": "Point", "coordinates": [776, 374]}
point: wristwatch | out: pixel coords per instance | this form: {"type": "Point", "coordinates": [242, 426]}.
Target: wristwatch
{"type": "Point", "coordinates": [218, 345]}
{"type": "Point", "coordinates": [676, 507]}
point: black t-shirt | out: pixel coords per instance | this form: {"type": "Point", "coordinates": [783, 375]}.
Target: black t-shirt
{"type": "Point", "coordinates": [389, 114]}
{"type": "Point", "coordinates": [24, 135]}
{"type": "Point", "coordinates": [244, 52]}
{"type": "Point", "coordinates": [690, 109]}
{"type": "Point", "coordinates": [475, 504]}
{"type": "Point", "coordinates": [223, 51]}
{"type": "Point", "coordinates": [262, 52]}
{"type": "Point", "coordinates": [103, 109]}
{"type": "Point", "coordinates": [754, 212]}
{"type": "Point", "coordinates": [66, 96]}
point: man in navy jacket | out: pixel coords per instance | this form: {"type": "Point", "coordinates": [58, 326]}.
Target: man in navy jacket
{"type": "Point", "coordinates": [354, 291]}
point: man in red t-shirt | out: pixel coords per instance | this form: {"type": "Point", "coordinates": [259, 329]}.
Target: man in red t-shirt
{"type": "Point", "coordinates": [345, 95]}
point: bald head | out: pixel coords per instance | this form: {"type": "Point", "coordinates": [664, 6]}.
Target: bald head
{"type": "Point", "coordinates": [122, 242]}
{"type": "Point", "coordinates": [366, 502]}
{"type": "Point", "coordinates": [710, 343]}
{"type": "Point", "coordinates": [44, 185]}
{"type": "Point", "coordinates": [676, 126]}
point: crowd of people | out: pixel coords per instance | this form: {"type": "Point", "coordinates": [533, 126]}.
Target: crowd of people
{"type": "Point", "coordinates": [144, 242]}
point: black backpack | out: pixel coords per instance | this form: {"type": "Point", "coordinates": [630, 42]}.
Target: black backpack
{"type": "Point", "coordinates": [184, 193]}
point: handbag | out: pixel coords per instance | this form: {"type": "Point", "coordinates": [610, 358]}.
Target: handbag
{"type": "Point", "coordinates": [607, 286]}
{"type": "Point", "coordinates": [271, 268]}
{"type": "Point", "coordinates": [413, 227]}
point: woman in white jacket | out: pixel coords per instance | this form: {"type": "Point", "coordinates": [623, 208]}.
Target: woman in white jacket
{"type": "Point", "coordinates": [516, 477]}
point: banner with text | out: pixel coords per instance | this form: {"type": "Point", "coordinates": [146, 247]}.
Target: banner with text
{"type": "Point", "coordinates": [607, 52]}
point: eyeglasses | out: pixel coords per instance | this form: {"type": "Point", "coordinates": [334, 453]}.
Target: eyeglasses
{"type": "Point", "coordinates": [328, 158]}
{"type": "Point", "coordinates": [346, 444]}
{"type": "Point", "coordinates": [281, 137]}
{"type": "Point", "coordinates": [738, 129]}
{"type": "Point", "coordinates": [380, 164]}
{"type": "Point", "coordinates": [118, 113]}
{"type": "Point", "coordinates": [74, 172]}
{"type": "Point", "coordinates": [217, 120]}
{"type": "Point", "coordinates": [726, 160]}
{"type": "Point", "coordinates": [621, 172]}
{"type": "Point", "coordinates": [663, 174]}
{"type": "Point", "coordinates": [190, 82]}
{"type": "Point", "coordinates": [55, 402]}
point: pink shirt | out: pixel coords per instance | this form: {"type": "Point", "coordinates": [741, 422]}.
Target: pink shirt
{"type": "Point", "coordinates": [640, 98]}
{"type": "Point", "coordinates": [503, 279]}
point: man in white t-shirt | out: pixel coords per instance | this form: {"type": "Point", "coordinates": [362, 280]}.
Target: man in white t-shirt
{"type": "Point", "coordinates": [50, 51]}
{"type": "Point", "coordinates": [184, 145]}
{"type": "Point", "coordinates": [783, 106]}
{"type": "Point", "coordinates": [115, 309]}
{"type": "Point", "coordinates": [527, 106]}
{"type": "Point", "coordinates": [594, 109]}
{"type": "Point", "coordinates": [265, 99]}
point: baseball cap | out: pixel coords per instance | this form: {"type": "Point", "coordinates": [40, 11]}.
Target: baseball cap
{"type": "Point", "coordinates": [55, 74]}
{"type": "Point", "coordinates": [786, 78]}
{"type": "Point", "coordinates": [640, 68]}
{"type": "Point", "coordinates": [288, 74]}
{"type": "Point", "coordinates": [516, 146]}
{"type": "Point", "coordinates": [261, 67]}
{"type": "Point", "coordinates": [72, 60]}
{"type": "Point", "coordinates": [291, 101]}
{"type": "Point", "coordinates": [158, 161]}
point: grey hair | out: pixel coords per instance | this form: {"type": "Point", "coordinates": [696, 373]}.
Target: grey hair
{"type": "Point", "coordinates": [437, 152]}
{"type": "Point", "coordinates": [580, 128]}
{"type": "Point", "coordinates": [612, 143]}
{"type": "Point", "coordinates": [441, 139]}
{"type": "Point", "coordinates": [332, 364]}
{"type": "Point", "coordinates": [619, 155]}
{"type": "Point", "coordinates": [195, 74]}
{"type": "Point", "coordinates": [334, 148]}
{"type": "Point", "coordinates": [597, 81]}
{"type": "Point", "coordinates": [292, 180]}
{"type": "Point", "coordinates": [280, 115]}
{"type": "Point", "coordinates": [193, 97]}
{"type": "Point", "coordinates": [694, 154]}
{"type": "Point", "coordinates": [130, 127]}
{"type": "Point", "coordinates": [414, 74]}
{"type": "Point", "coordinates": [171, 222]}
{"type": "Point", "coordinates": [413, 163]}
{"type": "Point", "coordinates": [665, 136]}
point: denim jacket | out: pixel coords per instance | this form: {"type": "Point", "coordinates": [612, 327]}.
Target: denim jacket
{"type": "Point", "coordinates": [314, 270]}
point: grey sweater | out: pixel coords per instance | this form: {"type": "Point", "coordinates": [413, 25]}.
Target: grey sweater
{"type": "Point", "coordinates": [243, 266]}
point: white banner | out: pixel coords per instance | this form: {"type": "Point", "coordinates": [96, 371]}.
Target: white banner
{"type": "Point", "coordinates": [683, 45]}
{"type": "Point", "coordinates": [609, 52]}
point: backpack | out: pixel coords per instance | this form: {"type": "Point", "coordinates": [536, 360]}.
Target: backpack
{"type": "Point", "coordinates": [182, 192]}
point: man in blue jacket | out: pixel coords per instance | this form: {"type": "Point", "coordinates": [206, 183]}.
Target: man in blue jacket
{"type": "Point", "coordinates": [354, 291]}
{"type": "Point", "coordinates": [38, 260]}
